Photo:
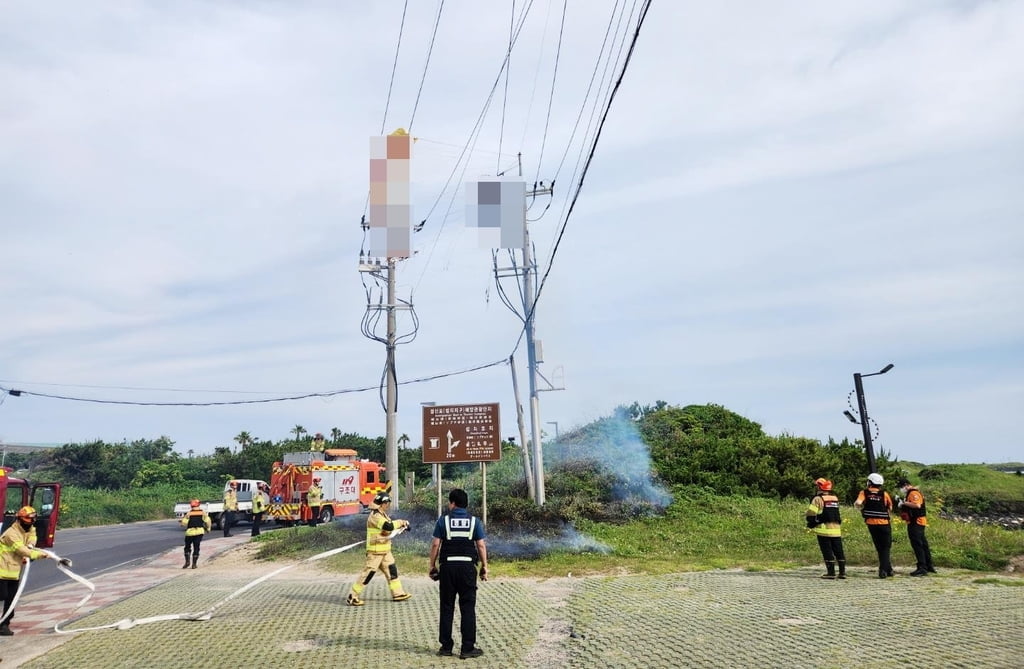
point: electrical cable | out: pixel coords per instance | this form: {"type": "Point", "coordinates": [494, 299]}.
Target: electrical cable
{"type": "Point", "coordinates": [551, 95]}
{"type": "Point", "coordinates": [426, 64]}
{"type": "Point", "coordinates": [394, 67]}
{"type": "Point", "coordinates": [593, 149]}
{"type": "Point", "coordinates": [508, 73]}
{"type": "Point", "coordinates": [383, 123]}
{"type": "Point", "coordinates": [290, 398]}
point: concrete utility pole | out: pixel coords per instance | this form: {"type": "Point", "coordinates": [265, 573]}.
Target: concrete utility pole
{"type": "Point", "coordinates": [390, 339]}
{"type": "Point", "coordinates": [391, 439]}
{"type": "Point", "coordinates": [529, 271]}
{"type": "Point", "coordinates": [531, 482]}
{"type": "Point", "coordinates": [529, 297]}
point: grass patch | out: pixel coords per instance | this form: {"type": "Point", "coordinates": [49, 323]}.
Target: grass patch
{"type": "Point", "coordinates": [999, 581]}
{"type": "Point", "coordinates": [82, 507]}
{"type": "Point", "coordinates": [752, 534]}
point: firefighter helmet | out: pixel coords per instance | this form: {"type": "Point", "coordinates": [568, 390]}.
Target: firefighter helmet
{"type": "Point", "coordinates": [233, 484]}
{"type": "Point", "coordinates": [316, 480]}
{"type": "Point", "coordinates": [26, 512]}
{"type": "Point", "coordinates": [875, 479]}
{"type": "Point", "coordinates": [382, 498]}
{"type": "Point", "coordinates": [194, 503]}
{"type": "Point", "coordinates": [823, 484]}
{"type": "Point", "coordinates": [319, 436]}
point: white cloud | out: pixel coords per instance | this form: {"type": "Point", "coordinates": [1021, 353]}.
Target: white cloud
{"type": "Point", "coordinates": [783, 195]}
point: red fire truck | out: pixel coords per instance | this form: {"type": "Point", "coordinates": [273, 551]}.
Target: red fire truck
{"type": "Point", "coordinates": [349, 484]}
{"type": "Point", "coordinates": [43, 497]}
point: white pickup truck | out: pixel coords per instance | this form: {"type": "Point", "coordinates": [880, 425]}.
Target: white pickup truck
{"type": "Point", "coordinates": [215, 509]}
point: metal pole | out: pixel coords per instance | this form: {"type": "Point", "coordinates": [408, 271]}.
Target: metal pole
{"type": "Point", "coordinates": [862, 408]}
{"type": "Point", "coordinates": [391, 440]}
{"type": "Point", "coordinates": [437, 477]}
{"type": "Point", "coordinates": [531, 352]}
{"type": "Point", "coordinates": [527, 469]}
{"type": "Point", "coordinates": [483, 485]}
{"type": "Point", "coordinates": [535, 403]}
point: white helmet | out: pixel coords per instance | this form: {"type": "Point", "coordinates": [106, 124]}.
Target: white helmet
{"type": "Point", "coordinates": [875, 479]}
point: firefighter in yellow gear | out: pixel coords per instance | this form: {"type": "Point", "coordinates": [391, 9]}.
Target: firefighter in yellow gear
{"type": "Point", "coordinates": [379, 528]}
{"type": "Point", "coordinates": [227, 518]}
{"type": "Point", "coordinates": [317, 444]}
{"type": "Point", "coordinates": [17, 545]}
{"type": "Point", "coordinates": [314, 498]}
{"type": "Point", "coordinates": [823, 519]}
{"type": "Point", "coordinates": [196, 523]}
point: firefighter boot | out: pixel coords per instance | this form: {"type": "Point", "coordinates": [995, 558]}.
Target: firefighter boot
{"type": "Point", "coordinates": [187, 554]}
{"type": "Point", "coordinates": [830, 573]}
{"type": "Point", "coordinates": [842, 569]}
{"type": "Point", "coordinates": [195, 559]}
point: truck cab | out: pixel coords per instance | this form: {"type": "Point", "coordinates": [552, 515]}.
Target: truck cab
{"type": "Point", "coordinates": [43, 497]}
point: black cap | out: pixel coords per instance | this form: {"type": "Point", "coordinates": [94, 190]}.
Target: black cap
{"type": "Point", "coordinates": [902, 482]}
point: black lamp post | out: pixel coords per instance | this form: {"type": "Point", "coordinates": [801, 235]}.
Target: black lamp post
{"type": "Point", "coordinates": [862, 408]}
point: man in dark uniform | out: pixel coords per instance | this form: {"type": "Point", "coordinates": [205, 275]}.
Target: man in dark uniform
{"type": "Point", "coordinates": [914, 513]}
{"type": "Point", "coordinates": [875, 505]}
{"type": "Point", "coordinates": [459, 544]}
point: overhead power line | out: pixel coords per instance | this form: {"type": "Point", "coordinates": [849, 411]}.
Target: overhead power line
{"type": "Point", "coordinates": [289, 398]}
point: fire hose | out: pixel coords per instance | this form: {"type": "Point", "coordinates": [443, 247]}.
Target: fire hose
{"type": "Point", "coordinates": [128, 623]}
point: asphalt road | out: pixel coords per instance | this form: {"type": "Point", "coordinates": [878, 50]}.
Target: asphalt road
{"type": "Point", "coordinates": [95, 550]}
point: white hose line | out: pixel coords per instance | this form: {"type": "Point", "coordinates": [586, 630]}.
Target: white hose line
{"type": "Point", "coordinates": [128, 623]}
{"type": "Point", "coordinates": [26, 566]}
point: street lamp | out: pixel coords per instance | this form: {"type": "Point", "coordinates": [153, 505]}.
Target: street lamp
{"type": "Point", "coordinates": [862, 409]}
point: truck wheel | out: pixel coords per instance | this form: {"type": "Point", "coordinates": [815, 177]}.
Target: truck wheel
{"type": "Point", "coordinates": [217, 522]}
{"type": "Point", "coordinates": [326, 515]}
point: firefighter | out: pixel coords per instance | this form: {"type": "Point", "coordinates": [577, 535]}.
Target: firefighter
{"type": "Point", "coordinates": [875, 505]}
{"type": "Point", "coordinates": [17, 545]}
{"type": "Point", "coordinates": [230, 508]}
{"type": "Point", "coordinates": [196, 523]}
{"type": "Point", "coordinates": [260, 498]}
{"type": "Point", "coordinates": [459, 544]}
{"type": "Point", "coordinates": [318, 442]}
{"type": "Point", "coordinates": [823, 519]}
{"type": "Point", "coordinates": [914, 514]}
{"type": "Point", "coordinates": [379, 527]}
{"type": "Point", "coordinates": [314, 498]}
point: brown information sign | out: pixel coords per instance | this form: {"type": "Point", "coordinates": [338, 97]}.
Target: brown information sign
{"type": "Point", "coordinates": [461, 433]}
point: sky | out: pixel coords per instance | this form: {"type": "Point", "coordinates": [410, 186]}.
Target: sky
{"type": "Point", "coordinates": [781, 196]}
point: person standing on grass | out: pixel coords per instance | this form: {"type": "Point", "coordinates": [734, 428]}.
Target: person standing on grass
{"type": "Point", "coordinates": [823, 519]}
{"type": "Point", "coordinates": [875, 505]}
{"type": "Point", "coordinates": [914, 513]}
{"type": "Point", "coordinates": [459, 543]}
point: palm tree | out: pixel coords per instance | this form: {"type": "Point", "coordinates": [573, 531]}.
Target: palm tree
{"type": "Point", "coordinates": [403, 440]}
{"type": "Point", "coordinates": [244, 439]}
{"type": "Point", "coordinates": [190, 452]}
{"type": "Point", "coordinates": [298, 430]}
{"type": "Point", "coordinates": [335, 436]}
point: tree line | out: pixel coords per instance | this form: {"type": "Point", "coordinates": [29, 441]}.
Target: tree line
{"type": "Point", "coordinates": [144, 462]}
{"type": "Point", "coordinates": [706, 446]}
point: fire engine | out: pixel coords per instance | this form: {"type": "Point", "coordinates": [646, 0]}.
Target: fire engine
{"type": "Point", "coordinates": [349, 484]}
{"type": "Point", "coordinates": [43, 497]}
